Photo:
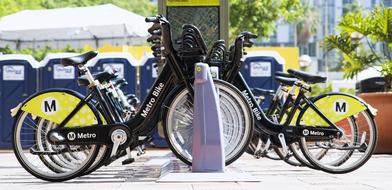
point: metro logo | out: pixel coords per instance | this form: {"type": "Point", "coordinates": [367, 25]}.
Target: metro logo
{"type": "Point", "coordinates": [49, 106]}
{"type": "Point", "coordinates": [340, 107]}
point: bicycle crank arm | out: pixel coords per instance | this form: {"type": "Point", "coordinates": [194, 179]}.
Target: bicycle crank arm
{"type": "Point", "coordinates": [262, 151]}
{"type": "Point", "coordinates": [140, 150]}
{"type": "Point", "coordinates": [282, 141]}
{"type": "Point", "coordinates": [118, 137]}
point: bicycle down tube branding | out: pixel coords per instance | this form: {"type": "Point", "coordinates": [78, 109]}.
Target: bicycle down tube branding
{"type": "Point", "coordinates": [155, 94]}
{"type": "Point", "coordinates": [254, 107]}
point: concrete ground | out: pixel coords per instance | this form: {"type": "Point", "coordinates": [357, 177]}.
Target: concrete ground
{"type": "Point", "coordinates": [144, 173]}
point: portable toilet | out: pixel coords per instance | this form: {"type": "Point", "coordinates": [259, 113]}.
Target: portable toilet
{"type": "Point", "coordinates": [259, 69]}
{"type": "Point", "coordinates": [122, 62]}
{"type": "Point", "coordinates": [18, 81]}
{"type": "Point", "coordinates": [54, 75]}
{"type": "Point", "coordinates": [148, 74]}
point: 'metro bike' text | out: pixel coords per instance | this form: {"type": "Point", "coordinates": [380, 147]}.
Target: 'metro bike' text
{"type": "Point", "coordinates": [254, 108]}
{"type": "Point", "coordinates": [155, 93]}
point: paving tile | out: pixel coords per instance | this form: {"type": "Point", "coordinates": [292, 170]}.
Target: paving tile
{"type": "Point", "coordinates": [144, 172]}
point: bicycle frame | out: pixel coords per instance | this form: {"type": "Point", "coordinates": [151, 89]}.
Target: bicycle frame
{"type": "Point", "coordinates": [263, 123]}
{"type": "Point", "coordinates": [146, 118]}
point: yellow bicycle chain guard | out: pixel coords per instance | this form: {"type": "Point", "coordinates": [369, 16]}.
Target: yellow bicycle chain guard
{"type": "Point", "coordinates": [56, 106]}
{"type": "Point", "coordinates": [335, 107]}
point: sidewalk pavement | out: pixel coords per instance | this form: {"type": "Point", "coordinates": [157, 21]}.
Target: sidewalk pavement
{"type": "Point", "coordinates": [144, 173]}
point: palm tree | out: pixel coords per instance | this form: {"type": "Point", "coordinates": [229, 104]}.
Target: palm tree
{"type": "Point", "coordinates": [359, 35]}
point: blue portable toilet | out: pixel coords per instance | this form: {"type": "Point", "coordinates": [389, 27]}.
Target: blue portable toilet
{"type": "Point", "coordinates": [54, 75]}
{"type": "Point", "coordinates": [123, 62]}
{"type": "Point", "coordinates": [148, 74]}
{"type": "Point", "coordinates": [18, 81]}
{"type": "Point", "coordinates": [259, 69]}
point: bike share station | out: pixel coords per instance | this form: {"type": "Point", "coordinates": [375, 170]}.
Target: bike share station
{"type": "Point", "coordinates": [208, 163]}
{"type": "Point", "coordinates": [60, 134]}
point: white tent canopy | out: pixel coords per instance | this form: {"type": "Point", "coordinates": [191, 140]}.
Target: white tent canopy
{"type": "Point", "coordinates": [93, 25]}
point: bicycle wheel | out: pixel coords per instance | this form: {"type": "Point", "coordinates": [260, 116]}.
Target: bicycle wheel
{"type": "Point", "coordinates": [59, 162]}
{"type": "Point", "coordinates": [297, 153]}
{"type": "Point", "coordinates": [321, 153]}
{"type": "Point", "coordinates": [349, 152]}
{"type": "Point", "coordinates": [237, 120]}
{"type": "Point", "coordinates": [52, 163]}
{"type": "Point", "coordinates": [24, 130]}
{"type": "Point", "coordinates": [289, 158]}
{"type": "Point", "coordinates": [259, 141]}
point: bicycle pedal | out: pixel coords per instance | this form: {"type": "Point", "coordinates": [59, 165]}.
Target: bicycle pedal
{"type": "Point", "coordinates": [363, 147]}
{"type": "Point", "coordinates": [257, 154]}
{"type": "Point", "coordinates": [110, 160]}
{"type": "Point", "coordinates": [140, 151]}
{"type": "Point", "coordinates": [128, 161]}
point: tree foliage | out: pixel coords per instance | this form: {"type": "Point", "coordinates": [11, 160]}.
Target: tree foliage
{"type": "Point", "coordinates": [257, 16]}
{"type": "Point", "coordinates": [359, 35]}
{"type": "Point", "coordinates": [38, 54]}
{"type": "Point", "coordinates": [142, 7]}
{"type": "Point", "coordinates": [260, 16]}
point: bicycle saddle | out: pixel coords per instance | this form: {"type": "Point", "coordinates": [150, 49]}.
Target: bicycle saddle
{"type": "Point", "coordinates": [286, 81]}
{"type": "Point", "coordinates": [307, 77]}
{"type": "Point", "coordinates": [248, 36]}
{"type": "Point", "coordinates": [101, 77]}
{"type": "Point", "coordinates": [79, 59]}
{"type": "Point", "coordinates": [120, 82]}
{"type": "Point", "coordinates": [262, 92]}
{"type": "Point", "coordinates": [283, 74]}
{"type": "Point", "coordinates": [105, 76]}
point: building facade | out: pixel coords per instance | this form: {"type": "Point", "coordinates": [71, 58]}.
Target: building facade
{"type": "Point", "coordinates": [328, 14]}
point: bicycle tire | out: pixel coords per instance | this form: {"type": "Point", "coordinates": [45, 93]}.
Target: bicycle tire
{"type": "Point", "coordinates": [340, 167]}
{"type": "Point", "coordinates": [227, 91]}
{"type": "Point", "coordinates": [33, 170]}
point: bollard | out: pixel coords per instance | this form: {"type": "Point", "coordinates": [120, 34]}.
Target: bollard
{"type": "Point", "coordinates": [207, 140]}
{"type": "Point", "coordinates": [208, 160]}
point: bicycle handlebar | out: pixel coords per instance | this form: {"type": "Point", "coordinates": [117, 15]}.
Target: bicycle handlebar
{"type": "Point", "coordinates": [154, 27]}
{"type": "Point", "coordinates": [153, 19]}
{"type": "Point", "coordinates": [248, 35]}
{"type": "Point", "coordinates": [236, 52]}
{"type": "Point", "coordinates": [154, 38]}
{"type": "Point", "coordinates": [243, 40]}
{"type": "Point", "coordinates": [163, 24]}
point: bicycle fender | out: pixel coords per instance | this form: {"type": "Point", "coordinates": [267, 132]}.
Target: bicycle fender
{"type": "Point", "coordinates": [335, 106]}
{"type": "Point", "coordinates": [56, 104]}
